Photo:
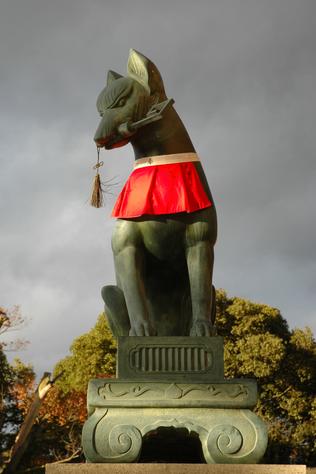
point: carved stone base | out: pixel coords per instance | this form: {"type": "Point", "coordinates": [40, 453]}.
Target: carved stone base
{"type": "Point", "coordinates": [172, 383]}
{"type": "Point", "coordinates": [115, 435]}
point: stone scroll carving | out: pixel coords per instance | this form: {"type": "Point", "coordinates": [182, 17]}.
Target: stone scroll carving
{"type": "Point", "coordinates": [107, 443]}
{"type": "Point", "coordinates": [173, 391]}
{"type": "Point", "coordinates": [239, 437]}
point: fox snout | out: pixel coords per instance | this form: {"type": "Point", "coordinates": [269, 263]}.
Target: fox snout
{"type": "Point", "coordinates": [125, 100]}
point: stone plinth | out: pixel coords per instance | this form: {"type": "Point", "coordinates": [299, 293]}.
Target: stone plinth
{"type": "Point", "coordinates": [171, 358]}
{"type": "Point", "coordinates": [175, 383]}
{"type": "Point", "coordinates": [173, 469]}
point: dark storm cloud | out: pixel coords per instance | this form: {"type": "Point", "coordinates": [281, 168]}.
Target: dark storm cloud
{"type": "Point", "coordinates": [242, 74]}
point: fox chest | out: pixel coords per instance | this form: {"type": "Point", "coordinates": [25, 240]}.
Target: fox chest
{"type": "Point", "coordinates": [163, 238]}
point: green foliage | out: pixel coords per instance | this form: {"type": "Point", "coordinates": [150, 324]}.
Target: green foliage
{"type": "Point", "coordinates": [93, 355]}
{"type": "Point", "coordinates": [258, 343]}
{"type": "Point", "coordinates": [5, 370]}
{"type": "Point", "coordinates": [5, 402]}
{"type": "Point", "coordinates": [56, 433]}
{"type": "Point", "coordinates": [10, 413]}
{"type": "Point", "coordinates": [5, 374]}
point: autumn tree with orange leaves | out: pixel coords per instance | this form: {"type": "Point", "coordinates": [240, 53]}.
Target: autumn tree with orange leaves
{"type": "Point", "coordinates": [56, 434]}
{"type": "Point", "coordinates": [10, 414]}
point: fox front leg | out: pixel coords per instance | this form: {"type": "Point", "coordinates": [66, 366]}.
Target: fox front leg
{"type": "Point", "coordinates": [200, 241]}
{"type": "Point", "coordinates": [128, 259]}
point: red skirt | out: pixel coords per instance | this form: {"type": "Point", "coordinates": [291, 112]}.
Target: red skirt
{"type": "Point", "coordinates": [161, 189]}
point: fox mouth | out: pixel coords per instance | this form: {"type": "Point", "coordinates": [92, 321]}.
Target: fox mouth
{"type": "Point", "coordinates": [111, 142]}
{"type": "Point", "coordinates": [116, 143]}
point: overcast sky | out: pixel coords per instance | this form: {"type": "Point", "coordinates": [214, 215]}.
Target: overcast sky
{"type": "Point", "coordinates": [242, 73]}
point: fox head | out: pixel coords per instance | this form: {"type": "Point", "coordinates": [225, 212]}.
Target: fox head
{"type": "Point", "coordinates": [127, 99]}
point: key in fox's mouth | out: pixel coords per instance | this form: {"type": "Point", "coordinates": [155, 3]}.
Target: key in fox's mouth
{"type": "Point", "coordinates": [111, 142]}
{"type": "Point", "coordinates": [116, 143]}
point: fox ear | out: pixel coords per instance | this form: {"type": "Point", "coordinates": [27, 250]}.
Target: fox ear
{"type": "Point", "coordinates": [146, 73]}
{"type": "Point", "coordinates": [112, 76]}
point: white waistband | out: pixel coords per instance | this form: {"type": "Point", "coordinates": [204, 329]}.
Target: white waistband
{"type": "Point", "coordinates": [165, 159]}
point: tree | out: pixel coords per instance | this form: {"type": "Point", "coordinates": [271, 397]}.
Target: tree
{"type": "Point", "coordinates": [93, 355]}
{"type": "Point", "coordinates": [5, 380]}
{"type": "Point", "coordinates": [9, 320]}
{"type": "Point", "coordinates": [10, 413]}
{"type": "Point", "coordinates": [258, 343]}
{"type": "Point", "coordinates": [56, 435]}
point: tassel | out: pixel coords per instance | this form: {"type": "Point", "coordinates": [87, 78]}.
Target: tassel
{"type": "Point", "coordinates": [97, 190]}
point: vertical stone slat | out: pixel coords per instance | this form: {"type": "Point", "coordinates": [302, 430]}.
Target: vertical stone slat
{"type": "Point", "coordinates": [169, 367]}
{"type": "Point", "coordinates": [157, 359]}
{"type": "Point", "coordinates": [143, 359]}
{"type": "Point", "coordinates": [150, 359]}
{"type": "Point", "coordinates": [202, 358]}
{"type": "Point", "coordinates": [136, 359]}
{"type": "Point", "coordinates": [195, 358]}
{"type": "Point", "coordinates": [163, 358]}
{"type": "Point", "coordinates": [189, 358]}
{"type": "Point", "coordinates": [182, 358]}
{"type": "Point", "coordinates": [176, 359]}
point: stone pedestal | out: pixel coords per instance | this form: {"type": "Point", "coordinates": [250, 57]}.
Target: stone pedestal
{"type": "Point", "coordinates": [172, 382]}
{"type": "Point", "coordinates": [173, 469]}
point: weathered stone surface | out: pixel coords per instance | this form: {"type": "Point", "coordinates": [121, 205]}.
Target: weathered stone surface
{"type": "Point", "coordinates": [175, 358]}
{"type": "Point", "coordinates": [173, 469]}
{"type": "Point", "coordinates": [236, 393]}
{"type": "Point", "coordinates": [115, 435]}
{"type": "Point", "coordinates": [172, 383]}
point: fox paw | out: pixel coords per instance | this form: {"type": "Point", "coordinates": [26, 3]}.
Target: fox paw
{"type": "Point", "coordinates": [142, 328]}
{"type": "Point", "coordinates": [201, 327]}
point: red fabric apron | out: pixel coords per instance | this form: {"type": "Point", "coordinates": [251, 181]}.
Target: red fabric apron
{"type": "Point", "coordinates": [161, 189]}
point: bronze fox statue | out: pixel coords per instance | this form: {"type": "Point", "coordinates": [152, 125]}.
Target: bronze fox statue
{"type": "Point", "coordinates": [163, 260]}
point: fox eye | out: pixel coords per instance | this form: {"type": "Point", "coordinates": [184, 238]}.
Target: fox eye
{"type": "Point", "coordinates": [121, 102]}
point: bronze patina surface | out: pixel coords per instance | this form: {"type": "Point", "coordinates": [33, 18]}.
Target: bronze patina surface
{"type": "Point", "coordinates": [163, 263]}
